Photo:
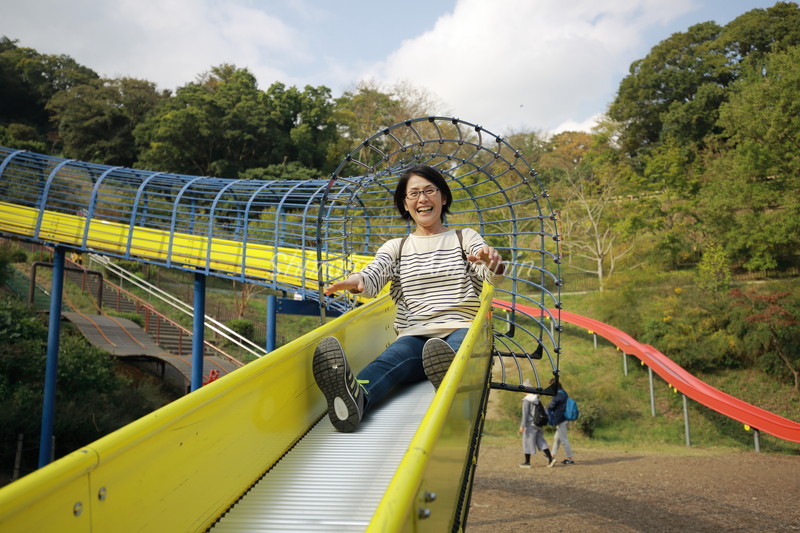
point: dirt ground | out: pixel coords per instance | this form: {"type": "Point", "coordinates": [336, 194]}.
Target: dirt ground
{"type": "Point", "coordinates": [620, 491]}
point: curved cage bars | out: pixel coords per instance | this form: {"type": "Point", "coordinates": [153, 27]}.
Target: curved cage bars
{"type": "Point", "coordinates": [299, 235]}
{"type": "Point", "coordinates": [254, 231]}
{"type": "Point", "coordinates": [495, 191]}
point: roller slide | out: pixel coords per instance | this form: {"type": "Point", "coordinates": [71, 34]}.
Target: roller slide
{"type": "Point", "coordinates": [258, 430]}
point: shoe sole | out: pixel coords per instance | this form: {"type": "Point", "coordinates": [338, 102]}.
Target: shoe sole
{"type": "Point", "coordinates": [551, 464]}
{"type": "Point", "coordinates": [436, 358]}
{"type": "Point", "coordinates": [332, 373]}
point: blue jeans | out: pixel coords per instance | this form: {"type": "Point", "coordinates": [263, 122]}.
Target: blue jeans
{"type": "Point", "coordinates": [399, 364]}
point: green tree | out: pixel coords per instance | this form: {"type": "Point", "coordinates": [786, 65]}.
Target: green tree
{"type": "Point", "coordinates": [304, 120]}
{"type": "Point", "coordinates": [665, 81]}
{"type": "Point", "coordinates": [222, 125]}
{"type": "Point", "coordinates": [96, 120]}
{"type": "Point", "coordinates": [216, 126]}
{"type": "Point", "coordinates": [371, 107]}
{"type": "Point", "coordinates": [774, 327]}
{"type": "Point", "coordinates": [27, 82]}
{"type": "Point", "coordinates": [751, 195]}
{"type": "Point", "coordinates": [289, 171]}
{"type": "Point", "coordinates": [677, 89]}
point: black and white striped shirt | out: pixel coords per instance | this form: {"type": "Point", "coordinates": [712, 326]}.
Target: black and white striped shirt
{"type": "Point", "coordinates": [436, 290]}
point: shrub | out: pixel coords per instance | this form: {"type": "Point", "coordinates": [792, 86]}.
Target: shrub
{"type": "Point", "coordinates": [242, 326]}
{"type": "Point", "coordinates": [590, 418]}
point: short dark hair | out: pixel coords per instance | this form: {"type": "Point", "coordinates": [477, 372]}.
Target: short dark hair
{"type": "Point", "coordinates": [430, 174]}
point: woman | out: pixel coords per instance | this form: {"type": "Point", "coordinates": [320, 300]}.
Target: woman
{"type": "Point", "coordinates": [436, 276]}
{"type": "Point", "coordinates": [532, 433]}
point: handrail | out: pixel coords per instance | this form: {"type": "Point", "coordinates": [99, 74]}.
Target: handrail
{"type": "Point", "coordinates": [212, 323]}
{"type": "Point", "coordinates": [149, 307]}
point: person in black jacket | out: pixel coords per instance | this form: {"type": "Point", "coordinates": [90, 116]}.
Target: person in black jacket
{"type": "Point", "coordinates": [556, 414]}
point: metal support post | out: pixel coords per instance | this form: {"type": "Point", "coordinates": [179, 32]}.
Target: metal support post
{"type": "Point", "coordinates": [686, 420]}
{"type": "Point", "coordinates": [652, 393]}
{"type": "Point", "coordinates": [757, 439]}
{"type": "Point", "coordinates": [272, 313]}
{"type": "Point", "coordinates": [51, 366]}
{"type": "Point", "coordinates": [198, 331]}
{"type": "Point", "coordinates": [625, 363]}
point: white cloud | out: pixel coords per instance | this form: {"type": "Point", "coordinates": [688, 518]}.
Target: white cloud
{"type": "Point", "coordinates": [572, 125]}
{"type": "Point", "coordinates": [169, 42]}
{"type": "Point", "coordinates": [529, 64]}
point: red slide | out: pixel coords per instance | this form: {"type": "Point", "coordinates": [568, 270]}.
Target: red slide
{"type": "Point", "coordinates": [679, 378]}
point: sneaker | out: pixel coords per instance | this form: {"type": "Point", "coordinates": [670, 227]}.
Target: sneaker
{"type": "Point", "coordinates": [567, 462]}
{"type": "Point", "coordinates": [552, 463]}
{"type": "Point", "coordinates": [436, 358]}
{"type": "Point", "coordinates": [344, 394]}
{"type": "Point", "coordinates": [524, 465]}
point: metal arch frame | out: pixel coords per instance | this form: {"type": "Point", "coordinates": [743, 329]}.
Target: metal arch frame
{"type": "Point", "coordinates": [93, 201]}
{"type": "Point", "coordinates": [386, 153]}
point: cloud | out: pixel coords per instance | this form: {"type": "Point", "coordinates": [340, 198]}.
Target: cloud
{"type": "Point", "coordinates": [169, 42]}
{"type": "Point", "coordinates": [529, 64]}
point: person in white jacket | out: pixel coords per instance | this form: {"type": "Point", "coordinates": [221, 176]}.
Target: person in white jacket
{"type": "Point", "coordinates": [436, 275]}
{"type": "Point", "coordinates": [532, 434]}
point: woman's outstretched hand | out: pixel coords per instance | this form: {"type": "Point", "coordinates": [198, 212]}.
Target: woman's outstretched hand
{"type": "Point", "coordinates": [353, 283]}
{"type": "Point", "coordinates": [490, 257]}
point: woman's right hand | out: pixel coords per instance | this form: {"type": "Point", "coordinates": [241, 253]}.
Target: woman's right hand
{"type": "Point", "coordinates": [353, 283]}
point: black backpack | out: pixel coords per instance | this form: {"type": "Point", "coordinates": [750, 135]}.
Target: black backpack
{"type": "Point", "coordinates": [539, 415]}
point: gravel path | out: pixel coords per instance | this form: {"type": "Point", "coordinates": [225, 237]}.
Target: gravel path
{"type": "Point", "coordinates": [627, 491]}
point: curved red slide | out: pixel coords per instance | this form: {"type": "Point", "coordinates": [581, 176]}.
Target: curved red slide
{"type": "Point", "coordinates": [673, 374]}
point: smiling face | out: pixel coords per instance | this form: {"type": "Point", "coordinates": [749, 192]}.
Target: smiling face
{"type": "Point", "coordinates": [426, 210]}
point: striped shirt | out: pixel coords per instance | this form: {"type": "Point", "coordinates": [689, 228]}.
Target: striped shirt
{"type": "Point", "coordinates": [436, 290]}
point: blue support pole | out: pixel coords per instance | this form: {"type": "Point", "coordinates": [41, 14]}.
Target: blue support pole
{"type": "Point", "coordinates": [198, 330]}
{"type": "Point", "coordinates": [272, 329]}
{"type": "Point", "coordinates": [51, 367]}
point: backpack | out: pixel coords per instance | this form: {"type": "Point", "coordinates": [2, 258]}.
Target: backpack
{"type": "Point", "coordinates": [571, 411]}
{"type": "Point", "coordinates": [539, 415]}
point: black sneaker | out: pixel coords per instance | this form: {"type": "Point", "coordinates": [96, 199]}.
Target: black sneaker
{"type": "Point", "coordinates": [344, 394]}
{"type": "Point", "coordinates": [436, 358]}
{"type": "Point", "coordinates": [524, 465]}
{"type": "Point", "coordinates": [567, 462]}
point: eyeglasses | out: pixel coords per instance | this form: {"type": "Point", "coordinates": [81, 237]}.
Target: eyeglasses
{"type": "Point", "coordinates": [427, 191]}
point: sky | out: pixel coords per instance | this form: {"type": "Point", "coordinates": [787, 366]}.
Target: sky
{"type": "Point", "coordinates": [507, 65]}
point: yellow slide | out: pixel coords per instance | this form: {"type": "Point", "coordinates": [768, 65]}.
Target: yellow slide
{"type": "Point", "coordinates": [182, 467]}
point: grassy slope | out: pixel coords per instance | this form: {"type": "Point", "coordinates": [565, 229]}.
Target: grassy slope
{"type": "Point", "coordinates": [620, 405]}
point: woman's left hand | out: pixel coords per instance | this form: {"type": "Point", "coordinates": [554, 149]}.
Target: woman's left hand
{"type": "Point", "coordinates": [490, 257]}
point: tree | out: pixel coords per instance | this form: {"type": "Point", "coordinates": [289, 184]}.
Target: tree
{"type": "Point", "coordinates": [28, 80]}
{"type": "Point", "coordinates": [306, 121]}
{"type": "Point", "coordinates": [775, 321]}
{"type": "Point", "coordinates": [370, 107]}
{"type": "Point", "coordinates": [677, 89]}
{"type": "Point", "coordinates": [222, 125]}
{"type": "Point", "coordinates": [216, 126]}
{"type": "Point", "coordinates": [751, 195]}
{"type": "Point", "coordinates": [666, 81]}
{"type": "Point", "coordinates": [96, 120]}
{"type": "Point", "coordinates": [595, 229]}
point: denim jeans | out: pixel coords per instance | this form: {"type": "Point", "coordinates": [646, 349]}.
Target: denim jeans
{"type": "Point", "coordinates": [399, 364]}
